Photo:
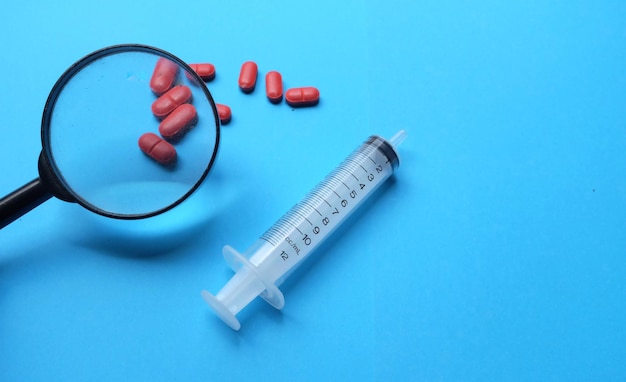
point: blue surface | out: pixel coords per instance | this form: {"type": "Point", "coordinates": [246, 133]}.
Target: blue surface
{"type": "Point", "coordinates": [497, 253]}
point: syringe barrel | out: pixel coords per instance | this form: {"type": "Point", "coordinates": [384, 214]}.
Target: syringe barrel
{"type": "Point", "coordinates": [311, 221]}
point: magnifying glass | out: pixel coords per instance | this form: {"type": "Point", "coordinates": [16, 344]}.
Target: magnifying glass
{"type": "Point", "coordinates": [92, 123]}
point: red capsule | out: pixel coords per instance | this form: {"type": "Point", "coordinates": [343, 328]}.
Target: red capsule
{"type": "Point", "coordinates": [164, 75]}
{"type": "Point", "coordinates": [247, 76]}
{"type": "Point", "coordinates": [158, 149]}
{"type": "Point", "coordinates": [175, 125]}
{"type": "Point", "coordinates": [274, 86]}
{"type": "Point", "coordinates": [224, 113]}
{"type": "Point", "coordinates": [307, 96]}
{"type": "Point", "coordinates": [205, 71]}
{"type": "Point", "coordinates": [169, 101]}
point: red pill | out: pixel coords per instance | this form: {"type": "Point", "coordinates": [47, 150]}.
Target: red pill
{"type": "Point", "coordinates": [307, 96]}
{"type": "Point", "coordinates": [247, 76]}
{"type": "Point", "coordinates": [205, 71]}
{"type": "Point", "coordinates": [164, 75]}
{"type": "Point", "coordinates": [224, 113]}
{"type": "Point", "coordinates": [169, 101]}
{"type": "Point", "coordinates": [175, 125]}
{"type": "Point", "coordinates": [156, 148]}
{"type": "Point", "coordinates": [274, 86]}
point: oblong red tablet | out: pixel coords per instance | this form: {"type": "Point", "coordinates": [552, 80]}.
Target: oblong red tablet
{"type": "Point", "coordinates": [247, 76]}
{"type": "Point", "coordinates": [224, 113]}
{"type": "Point", "coordinates": [274, 86]}
{"type": "Point", "coordinates": [156, 148]}
{"type": "Point", "coordinates": [169, 101]}
{"type": "Point", "coordinates": [306, 96]}
{"type": "Point", "coordinates": [175, 125]}
{"type": "Point", "coordinates": [206, 71]}
{"type": "Point", "coordinates": [164, 75]}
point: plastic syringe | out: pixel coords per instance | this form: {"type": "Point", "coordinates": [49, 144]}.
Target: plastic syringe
{"type": "Point", "coordinates": [270, 260]}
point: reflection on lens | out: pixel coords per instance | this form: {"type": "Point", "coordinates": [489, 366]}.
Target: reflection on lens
{"type": "Point", "coordinates": [95, 123]}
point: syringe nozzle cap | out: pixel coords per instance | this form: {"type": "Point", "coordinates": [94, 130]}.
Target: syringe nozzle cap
{"type": "Point", "coordinates": [397, 138]}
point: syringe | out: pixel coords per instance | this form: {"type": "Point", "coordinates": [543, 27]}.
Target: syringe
{"type": "Point", "coordinates": [270, 260]}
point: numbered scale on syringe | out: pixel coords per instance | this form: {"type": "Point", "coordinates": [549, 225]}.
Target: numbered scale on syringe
{"type": "Point", "coordinates": [270, 260]}
{"type": "Point", "coordinates": [315, 217]}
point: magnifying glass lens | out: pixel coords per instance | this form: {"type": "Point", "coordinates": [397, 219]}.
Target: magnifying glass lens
{"type": "Point", "coordinates": [92, 123]}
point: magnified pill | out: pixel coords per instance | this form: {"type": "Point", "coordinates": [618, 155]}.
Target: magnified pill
{"type": "Point", "coordinates": [247, 76]}
{"type": "Point", "coordinates": [156, 148]}
{"type": "Point", "coordinates": [169, 101]}
{"type": "Point", "coordinates": [206, 71]}
{"type": "Point", "coordinates": [224, 113]}
{"type": "Point", "coordinates": [274, 86]}
{"type": "Point", "coordinates": [306, 96]}
{"type": "Point", "coordinates": [164, 75]}
{"type": "Point", "coordinates": [175, 125]}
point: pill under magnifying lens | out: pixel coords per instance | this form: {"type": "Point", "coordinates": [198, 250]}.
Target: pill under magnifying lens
{"type": "Point", "coordinates": [163, 76]}
{"type": "Point", "coordinates": [170, 100]}
{"type": "Point", "coordinates": [175, 125]}
{"type": "Point", "coordinates": [157, 148]}
{"type": "Point", "coordinates": [101, 168]}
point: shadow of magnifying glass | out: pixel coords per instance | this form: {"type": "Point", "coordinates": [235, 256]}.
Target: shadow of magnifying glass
{"type": "Point", "coordinates": [91, 124]}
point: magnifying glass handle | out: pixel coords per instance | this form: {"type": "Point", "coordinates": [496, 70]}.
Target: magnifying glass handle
{"type": "Point", "coordinates": [22, 200]}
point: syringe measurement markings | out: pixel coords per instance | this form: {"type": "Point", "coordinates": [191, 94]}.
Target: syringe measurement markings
{"type": "Point", "coordinates": [345, 174]}
{"type": "Point", "coordinates": [327, 186]}
{"type": "Point", "coordinates": [314, 199]}
{"type": "Point", "coordinates": [352, 167]}
{"type": "Point", "coordinates": [313, 208]}
{"type": "Point", "coordinates": [304, 205]}
{"type": "Point", "coordinates": [309, 212]}
{"type": "Point", "coordinates": [291, 218]}
{"type": "Point", "coordinates": [359, 157]}
{"type": "Point", "coordinates": [342, 171]}
{"type": "Point", "coordinates": [371, 159]}
{"type": "Point", "coordinates": [336, 185]}
{"type": "Point", "coordinates": [296, 213]}
{"type": "Point", "coordinates": [281, 228]}
{"type": "Point", "coordinates": [333, 182]}
{"type": "Point", "coordinates": [367, 151]}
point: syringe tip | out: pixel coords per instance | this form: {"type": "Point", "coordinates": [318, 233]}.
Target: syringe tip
{"type": "Point", "coordinates": [397, 138]}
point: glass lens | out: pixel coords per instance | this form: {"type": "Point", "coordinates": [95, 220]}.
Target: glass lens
{"type": "Point", "coordinates": [96, 115]}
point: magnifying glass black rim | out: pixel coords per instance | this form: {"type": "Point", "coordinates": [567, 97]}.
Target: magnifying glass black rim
{"type": "Point", "coordinates": [58, 88]}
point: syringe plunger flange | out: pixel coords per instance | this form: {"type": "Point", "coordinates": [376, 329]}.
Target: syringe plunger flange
{"type": "Point", "coordinates": [243, 287]}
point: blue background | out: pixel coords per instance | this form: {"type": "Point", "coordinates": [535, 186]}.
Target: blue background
{"type": "Point", "coordinates": [496, 253]}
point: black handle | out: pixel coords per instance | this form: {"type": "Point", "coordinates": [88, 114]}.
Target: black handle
{"type": "Point", "coordinates": [22, 200]}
